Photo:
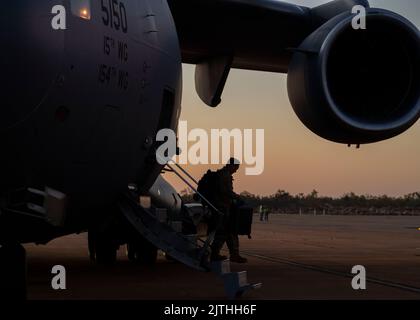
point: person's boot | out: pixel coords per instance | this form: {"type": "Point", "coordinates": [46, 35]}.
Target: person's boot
{"type": "Point", "coordinates": [238, 259]}
{"type": "Point", "coordinates": [217, 257]}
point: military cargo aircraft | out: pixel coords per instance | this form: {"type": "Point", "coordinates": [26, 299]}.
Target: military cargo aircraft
{"type": "Point", "coordinates": [81, 106]}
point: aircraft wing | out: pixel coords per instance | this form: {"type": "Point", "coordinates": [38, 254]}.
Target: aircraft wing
{"type": "Point", "coordinates": [256, 32]}
{"type": "Point", "coordinates": [353, 72]}
{"type": "Point", "coordinates": [248, 34]}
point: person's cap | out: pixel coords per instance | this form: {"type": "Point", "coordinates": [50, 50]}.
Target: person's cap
{"type": "Point", "coordinates": [233, 161]}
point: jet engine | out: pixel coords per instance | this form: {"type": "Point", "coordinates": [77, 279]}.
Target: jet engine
{"type": "Point", "coordinates": [358, 86]}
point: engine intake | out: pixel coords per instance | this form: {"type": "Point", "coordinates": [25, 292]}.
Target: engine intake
{"type": "Point", "coordinates": [358, 86]}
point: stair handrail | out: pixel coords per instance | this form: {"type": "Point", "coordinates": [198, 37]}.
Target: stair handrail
{"type": "Point", "coordinates": [211, 236]}
{"type": "Point", "coordinates": [201, 196]}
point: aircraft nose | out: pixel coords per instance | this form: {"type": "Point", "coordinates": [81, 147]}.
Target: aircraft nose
{"type": "Point", "coordinates": [30, 57]}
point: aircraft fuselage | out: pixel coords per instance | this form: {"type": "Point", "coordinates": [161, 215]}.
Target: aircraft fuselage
{"type": "Point", "coordinates": [81, 106]}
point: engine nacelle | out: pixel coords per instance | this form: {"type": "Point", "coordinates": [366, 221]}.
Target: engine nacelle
{"type": "Point", "coordinates": [358, 86]}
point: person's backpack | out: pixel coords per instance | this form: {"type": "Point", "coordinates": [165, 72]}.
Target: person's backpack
{"type": "Point", "coordinates": [208, 185]}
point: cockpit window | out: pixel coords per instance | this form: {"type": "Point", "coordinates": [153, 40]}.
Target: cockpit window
{"type": "Point", "coordinates": [81, 8]}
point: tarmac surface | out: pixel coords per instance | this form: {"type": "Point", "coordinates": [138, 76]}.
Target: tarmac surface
{"type": "Point", "coordinates": [295, 257]}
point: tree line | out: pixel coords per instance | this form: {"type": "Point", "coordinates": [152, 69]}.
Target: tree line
{"type": "Point", "coordinates": [312, 203]}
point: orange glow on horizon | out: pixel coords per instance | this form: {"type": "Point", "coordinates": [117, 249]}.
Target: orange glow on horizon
{"type": "Point", "coordinates": [296, 160]}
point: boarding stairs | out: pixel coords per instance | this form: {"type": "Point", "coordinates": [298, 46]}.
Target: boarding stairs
{"type": "Point", "coordinates": [155, 225]}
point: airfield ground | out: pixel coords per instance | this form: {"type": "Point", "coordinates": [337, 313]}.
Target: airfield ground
{"type": "Point", "coordinates": [295, 257]}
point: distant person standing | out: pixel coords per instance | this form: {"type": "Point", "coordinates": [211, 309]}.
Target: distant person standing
{"type": "Point", "coordinates": [261, 210]}
{"type": "Point", "coordinates": [266, 213]}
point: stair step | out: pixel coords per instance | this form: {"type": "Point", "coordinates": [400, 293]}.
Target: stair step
{"type": "Point", "coordinates": [161, 215]}
{"type": "Point", "coordinates": [191, 244]}
{"type": "Point", "coordinates": [221, 267]}
{"type": "Point", "coordinates": [176, 225]}
{"type": "Point", "coordinates": [236, 284]}
{"type": "Point", "coordinates": [242, 279]}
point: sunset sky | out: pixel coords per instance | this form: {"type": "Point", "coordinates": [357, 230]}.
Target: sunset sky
{"type": "Point", "coordinates": [296, 159]}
